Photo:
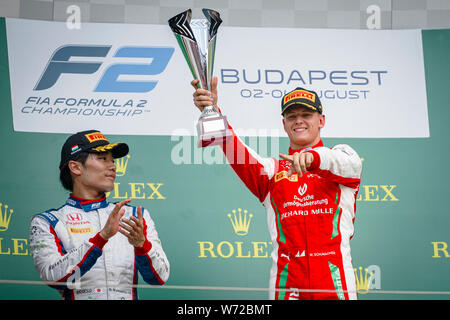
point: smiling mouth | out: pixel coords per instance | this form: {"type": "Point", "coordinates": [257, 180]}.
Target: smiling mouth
{"type": "Point", "coordinates": [299, 129]}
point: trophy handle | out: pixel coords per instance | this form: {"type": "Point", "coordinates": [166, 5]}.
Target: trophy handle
{"type": "Point", "coordinates": [214, 20]}
{"type": "Point", "coordinates": [180, 24]}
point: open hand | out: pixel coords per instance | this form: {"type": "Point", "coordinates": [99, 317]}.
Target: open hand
{"type": "Point", "coordinates": [112, 224]}
{"type": "Point", "coordinates": [133, 229]}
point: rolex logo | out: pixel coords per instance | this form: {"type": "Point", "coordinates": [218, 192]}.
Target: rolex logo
{"type": "Point", "coordinates": [240, 221]}
{"type": "Point", "coordinates": [5, 216]}
{"type": "Point", "coordinates": [368, 278]}
{"type": "Point", "coordinates": [121, 165]}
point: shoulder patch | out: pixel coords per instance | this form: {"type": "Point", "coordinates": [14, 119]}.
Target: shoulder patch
{"type": "Point", "coordinates": [51, 219]}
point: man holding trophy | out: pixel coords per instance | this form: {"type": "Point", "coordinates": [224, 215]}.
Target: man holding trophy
{"type": "Point", "coordinates": [309, 195]}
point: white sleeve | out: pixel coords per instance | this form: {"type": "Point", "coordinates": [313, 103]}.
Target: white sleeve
{"type": "Point", "coordinates": [50, 258]}
{"type": "Point", "coordinates": [341, 164]}
{"type": "Point", "coordinates": [151, 259]}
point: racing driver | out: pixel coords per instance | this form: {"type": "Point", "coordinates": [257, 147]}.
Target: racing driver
{"type": "Point", "coordinates": [310, 200]}
{"type": "Point", "coordinates": [90, 248]}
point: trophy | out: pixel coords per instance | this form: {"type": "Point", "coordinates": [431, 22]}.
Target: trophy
{"type": "Point", "coordinates": [197, 40]}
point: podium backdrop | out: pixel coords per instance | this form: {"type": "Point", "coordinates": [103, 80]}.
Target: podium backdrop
{"type": "Point", "coordinates": [402, 222]}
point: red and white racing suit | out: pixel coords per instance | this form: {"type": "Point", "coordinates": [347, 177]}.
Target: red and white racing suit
{"type": "Point", "coordinates": [310, 218]}
{"type": "Point", "coordinates": [67, 248]}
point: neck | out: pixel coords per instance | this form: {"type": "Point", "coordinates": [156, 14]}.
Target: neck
{"type": "Point", "coordinates": [87, 194]}
{"type": "Point", "coordinates": [295, 146]}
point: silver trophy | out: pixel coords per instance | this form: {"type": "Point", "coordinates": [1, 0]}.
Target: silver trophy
{"type": "Point", "coordinates": [197, 40]}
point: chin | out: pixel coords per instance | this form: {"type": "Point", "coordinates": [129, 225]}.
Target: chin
{"type": "Point", "coordinates": [301, 141]}
{"type": "Point", "coordinates": [108, 188]}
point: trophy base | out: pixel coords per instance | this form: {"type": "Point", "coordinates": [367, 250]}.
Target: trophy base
{"type": "Point", "coordinates": [214, 139]}
{"type": "Point", "coordinates": [213, 130]}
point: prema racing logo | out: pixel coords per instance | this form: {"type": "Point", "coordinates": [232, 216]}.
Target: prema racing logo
{"type": "Point", "coordinates": [69, 66]}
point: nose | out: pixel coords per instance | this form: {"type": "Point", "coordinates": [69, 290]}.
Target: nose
{"type": "Point", "coordinates": [298, 119]}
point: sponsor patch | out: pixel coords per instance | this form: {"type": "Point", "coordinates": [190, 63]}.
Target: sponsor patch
{"type": "Point", "coordinates": [95, 136]}
{"type": "Point", "coordinates": [300, 94]}
{"type": "Point", "coordinates": [80, 230]}
{"type": "Point", "coordinates": [284, 175]}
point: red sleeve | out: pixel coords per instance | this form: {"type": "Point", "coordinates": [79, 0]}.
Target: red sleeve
{"type": "Point", "coordinates": [98, 241]}
{"type": "Point", "coordinates": [254, 171]}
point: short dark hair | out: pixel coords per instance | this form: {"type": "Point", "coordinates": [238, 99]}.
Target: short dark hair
{"type": "Point", "coordinates": [64, 174]}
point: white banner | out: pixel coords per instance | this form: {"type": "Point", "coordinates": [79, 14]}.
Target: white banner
{"type": "Point", "coordinates": [133, 79]}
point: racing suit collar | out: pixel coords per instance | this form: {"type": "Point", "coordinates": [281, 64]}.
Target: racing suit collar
{"type": "Point", "coordinates": [86, 204]}
{"type": "Point", "coordinates": [292, 151]}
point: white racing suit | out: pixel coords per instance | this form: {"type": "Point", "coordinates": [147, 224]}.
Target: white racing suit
{"type": "Point", "coordinates": [67, 248]}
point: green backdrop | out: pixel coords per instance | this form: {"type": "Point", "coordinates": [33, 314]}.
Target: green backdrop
{"type": "Point", "coordinates": [402, 220]}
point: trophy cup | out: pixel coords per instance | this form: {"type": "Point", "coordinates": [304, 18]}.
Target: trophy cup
{"type": "Point", "coordinates": [197, 40]}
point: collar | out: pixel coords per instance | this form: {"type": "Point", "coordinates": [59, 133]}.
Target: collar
{"type": "Point", "coordinates": [292, 151]}
{"type": "Point", "coordinates": [87, 204]}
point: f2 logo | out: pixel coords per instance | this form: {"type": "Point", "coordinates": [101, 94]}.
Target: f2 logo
{"type": "Point", "coordinates": [60, 64]}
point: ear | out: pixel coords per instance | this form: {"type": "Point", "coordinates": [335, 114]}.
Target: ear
{"type": "Point", "coordinates": [321, 121]}
{"type": "Point", "coordinates": [75, 167]}
{"type": "Point", "coordinates": [284, 125]}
